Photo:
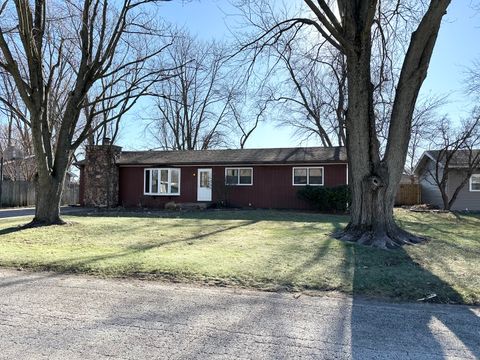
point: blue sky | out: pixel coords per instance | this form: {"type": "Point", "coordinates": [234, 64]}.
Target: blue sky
{"type": "Point", "coordinates": [457, 46]}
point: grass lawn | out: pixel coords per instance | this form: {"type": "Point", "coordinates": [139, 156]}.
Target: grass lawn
{"type": "Point", "coordinates": [261, 249]}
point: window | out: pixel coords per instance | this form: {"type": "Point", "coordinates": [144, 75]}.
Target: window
{"type": "Point", "coordinates": [204, 179]}
{"type": "Point", "coordinates": [475, 182]}
{"type": "Point", "coordinates": [300, 176]}
{"type": "Point", "coordinates": [162, 182]}
{"type": "Point", "coordinates": [308, 176]}
{"type": "Point", "coordinates": [239, 176]}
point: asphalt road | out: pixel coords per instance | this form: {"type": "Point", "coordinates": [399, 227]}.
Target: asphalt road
{"type": "Point", "coordinates": [20, 212]}
{"type": "Point", "coordinates": [48, 316]}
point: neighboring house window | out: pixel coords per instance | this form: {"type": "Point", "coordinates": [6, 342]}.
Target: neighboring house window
{"type": "Point", "coordinates": [162, 182]}
{"type": "Point", "coordinates": [475, 182]}
{"type": "Point", "coordinates": [307, 176]}
{"type": "Point", "coordinates": [239, 176]}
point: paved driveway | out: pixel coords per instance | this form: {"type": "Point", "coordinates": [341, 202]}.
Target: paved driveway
{"type": "Point", "coordinates": [19, 212]}
{"type": "Point", "coordinates": [47, 316]}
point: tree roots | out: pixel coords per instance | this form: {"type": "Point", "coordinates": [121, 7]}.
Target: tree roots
{"type": "Point", "coordinates": [35, 223]}
{"type": "Point", "coordinates": [392, 238]}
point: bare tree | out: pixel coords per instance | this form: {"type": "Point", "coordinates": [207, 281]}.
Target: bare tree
{"type": "Point", "coordinates": [15, 141]}
{"type": "Point", "coordinates": [318, 91]}
{"type": "Point", "coordinates": [424, 122]}
{"type": "Point", "coordinates": [317, 96]}
{"type": "Point", "coordinates": [360, 30]}
{"type": "Point", "coordinates": [456, 153]}
{"type": "Point", "coordinates": [472, 79]}
{"type": "Point", "coordinates": [307, 79]}
{"type": "Point", "coordinates": [16, 153]}
{"type": "Point", "coordinates": [194, 107]}
{"type": "Point", "coordinates": [104, 114]}
{"type": "Point", "coordinates": [56, 53]}
{"type": "Point", "coordinates": [247, 119]}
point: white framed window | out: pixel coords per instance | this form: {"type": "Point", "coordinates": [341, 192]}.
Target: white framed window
{"type": "Point", "coordinates": [162, 181]}
{"type": "Point", "coordinates": [475, 182]}
{"type": "Point", "coordinates": [239, 176]}
{"type": "Point", "coordinates": [302, 176]}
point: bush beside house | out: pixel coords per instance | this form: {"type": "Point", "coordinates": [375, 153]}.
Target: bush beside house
{"type": "Point", "coordinates": [328, 199]}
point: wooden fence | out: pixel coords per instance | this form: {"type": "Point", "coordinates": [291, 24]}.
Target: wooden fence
{"type": "Point", "coordinates": [408, 194]}
{"type": "Point", "coordinates": [22, 193]}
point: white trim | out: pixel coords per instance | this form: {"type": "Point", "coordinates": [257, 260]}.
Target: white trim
{"type": "Point", "coordinates": [426, 154]}
{"type": "Point", "coordinates": [429, 155]}
{"type": "Point", "coordinates": [169, 181]}
{"type": "Point", "coordinates": [308, 175]}
{"type": "Point", "coordinates": [238, 177]}
{"type": "Point", "coordinates": [471, 178]}
{"type": "Point", "coordinates": [209, 170]}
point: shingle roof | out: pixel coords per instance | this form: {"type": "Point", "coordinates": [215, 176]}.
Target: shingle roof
{"type": "Point", "coordinates": [459, 159]}
{"type": "Point", "coordinates": [234, 156]}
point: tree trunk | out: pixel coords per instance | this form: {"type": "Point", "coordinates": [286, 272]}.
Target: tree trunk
{"type": "Point", "coordinates": [372, 222]}
{"type": "Point", "coordinates": [445, 198]}
{"type": "Point", "coordinates": [51, 168]}
{"type": "Point", "coordinates": [373, 181]}
{"type": "Point", "coordinates": [48, 197]}
{"type": "Point", "coordinates": [49, 182]}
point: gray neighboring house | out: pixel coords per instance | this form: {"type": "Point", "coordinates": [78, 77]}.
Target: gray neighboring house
{"type": "Point", "coordinates": [469, 196]}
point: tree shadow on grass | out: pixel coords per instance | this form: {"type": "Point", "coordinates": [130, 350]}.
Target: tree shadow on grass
{"type": "Point", "coordinates": [323, 250]}
{"type": "Point", "coordinates": [88, 262]}
{"type": "Point", "coordinates": [11, 230]}
{"type": "Point", "coordinates": [418, 222]}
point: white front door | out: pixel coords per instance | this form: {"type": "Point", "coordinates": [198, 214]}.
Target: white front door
{"type": "Point", "coordinates": [204, 187]}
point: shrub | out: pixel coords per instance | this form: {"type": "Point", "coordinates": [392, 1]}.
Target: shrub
{"type": "Point", "coordinates": [329, 199]}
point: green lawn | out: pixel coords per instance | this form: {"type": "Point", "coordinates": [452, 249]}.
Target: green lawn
{"type": "Point", "coordinates": [262, 249]}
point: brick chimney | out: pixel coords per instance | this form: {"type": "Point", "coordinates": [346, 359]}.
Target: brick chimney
{"type": "Point", "coordinates": [101, 174]}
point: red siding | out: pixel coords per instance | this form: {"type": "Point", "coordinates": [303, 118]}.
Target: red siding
{"type": "Point", "coordinates": [272, 187]}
